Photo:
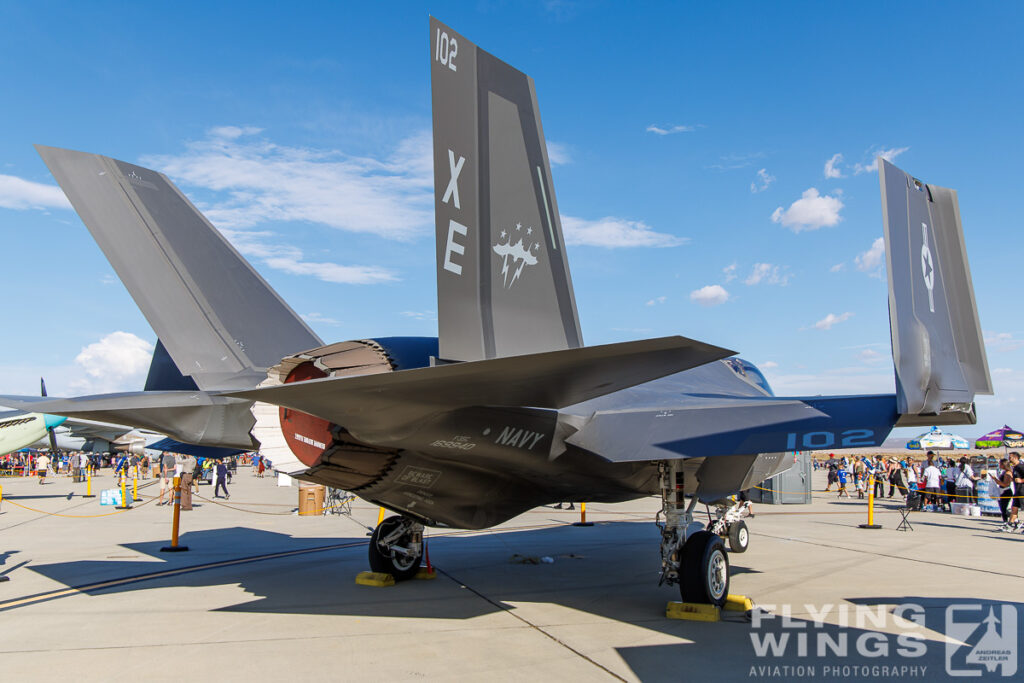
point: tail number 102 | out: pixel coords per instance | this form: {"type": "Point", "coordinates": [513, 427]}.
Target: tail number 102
{"type": "Point", "coordinates": [445, 49]}
{"type": "Point", "coordinates": [851, 438]}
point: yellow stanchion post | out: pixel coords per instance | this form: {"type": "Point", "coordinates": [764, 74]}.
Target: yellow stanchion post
{"type": "Point", "coordinates": [174, 547]}
{"type": "Point", "coordinates": [125, 505]}
{"type": "Point", "coordinates": [583, 517]}
{"type": "Point", "coordinates": [88, 483]}
{"type": "Point", "coordinates": [380, 518]}
{"type": "Point", "coordinates": [3, 577]}
{"type": "Point", "coordinates": [871, 506]}
{"type": "Point", "coordinates": [135, 486]}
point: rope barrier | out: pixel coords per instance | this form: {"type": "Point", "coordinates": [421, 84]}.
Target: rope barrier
{"type": "Point", "coordinates": [58, 514]}
{"type": "Point", "coordinates": [320, 511]}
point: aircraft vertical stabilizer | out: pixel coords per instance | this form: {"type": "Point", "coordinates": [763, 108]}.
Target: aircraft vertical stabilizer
{"type": "Point", "coordinates": [937, 344]}
{"type": "Point", "coordinates": [220, 322]}
{"type": "Point", "coordinates": [503, 282]}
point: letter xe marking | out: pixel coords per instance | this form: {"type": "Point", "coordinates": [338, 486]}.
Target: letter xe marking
{"type": "Point", "coordinates": [453, 184]}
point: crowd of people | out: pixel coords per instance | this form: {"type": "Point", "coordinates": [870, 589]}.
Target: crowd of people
{"type": "Point", "coordinates": [940, 482]}
{"type": "Point", "coordinates": [189, 469]}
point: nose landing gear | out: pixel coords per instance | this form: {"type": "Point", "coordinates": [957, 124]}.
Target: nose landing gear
{"type": "Point", "coordinates": [691, 556]}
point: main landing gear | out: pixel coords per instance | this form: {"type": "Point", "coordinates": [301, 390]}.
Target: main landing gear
{"type": "Point", "coordinates": [396, 547]}
{"type": "Point", "coordinates": [691, 556]}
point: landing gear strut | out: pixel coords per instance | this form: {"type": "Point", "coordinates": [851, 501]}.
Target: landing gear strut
{"type": "Point", "coordinates": [396, 547]}
{"type": "Point", "coordinates": [690, 556]}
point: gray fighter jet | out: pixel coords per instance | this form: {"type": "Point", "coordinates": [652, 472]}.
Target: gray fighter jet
{"type": "Point", "coordinates": [506, 409]}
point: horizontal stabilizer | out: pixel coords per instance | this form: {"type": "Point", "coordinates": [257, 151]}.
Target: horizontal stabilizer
{"type": "Point", "coordinates": [194, 417]}
{"type": "Point", "coordinates": [220, 322]}
{"type": "Point", "coordinates": [738, 426]}
{"type": "Point", "coordinates": [374, 404]}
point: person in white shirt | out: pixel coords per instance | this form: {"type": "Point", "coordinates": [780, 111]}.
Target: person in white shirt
{"type": "Point", "coordinates": [932, 476]}
{"type": "Point", "coordinates": [965, 479]}
{"type": "Point", "coordinates": [42, 464]}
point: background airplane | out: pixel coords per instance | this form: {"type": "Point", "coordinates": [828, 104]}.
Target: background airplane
{"type": "Point", "coordinates": [506, 409]}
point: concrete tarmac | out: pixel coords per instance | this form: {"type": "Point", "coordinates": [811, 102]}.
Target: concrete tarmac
{"type": "Point", "coordinates": [264, 594]}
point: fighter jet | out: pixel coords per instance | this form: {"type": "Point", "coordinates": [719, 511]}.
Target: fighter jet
{"type": "Point", "coordinates": [507, 409]}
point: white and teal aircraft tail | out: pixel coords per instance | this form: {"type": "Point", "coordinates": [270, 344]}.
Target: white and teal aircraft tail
{"type": "Point", "coordinates": [19, 429]}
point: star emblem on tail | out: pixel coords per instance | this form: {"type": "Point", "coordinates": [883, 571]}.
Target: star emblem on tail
{"type": "Point", "coordinates": [515, 254]}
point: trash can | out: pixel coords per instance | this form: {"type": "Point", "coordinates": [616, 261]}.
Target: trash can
{"type": "Point", "coordinates": [311, 498]}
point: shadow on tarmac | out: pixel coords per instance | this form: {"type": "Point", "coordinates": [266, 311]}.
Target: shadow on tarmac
{"type": "Point", "coordinates": [609, 571]}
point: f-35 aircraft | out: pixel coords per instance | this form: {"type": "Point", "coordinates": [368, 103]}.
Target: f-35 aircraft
{"type": "Point", "coordinates": [506, 409]}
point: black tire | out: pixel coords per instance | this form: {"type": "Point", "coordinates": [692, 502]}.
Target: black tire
{"type": "Point", "coordinates": [388, 562]}
{"type": "Point", "coordinates": [704, 569]}
{"type": "Point", "coordinates": [739, 537]}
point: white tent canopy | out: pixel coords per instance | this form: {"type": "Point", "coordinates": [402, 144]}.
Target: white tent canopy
{"type": "Point", "coordinates": [936, 439]}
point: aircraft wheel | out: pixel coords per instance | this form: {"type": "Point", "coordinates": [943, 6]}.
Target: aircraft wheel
{"type": "Point", "coordinates": [385, 560]}
{"type": "Point", "coordinates": [739, 537]}
{"type": "Point", "coordinates": [704, 569]}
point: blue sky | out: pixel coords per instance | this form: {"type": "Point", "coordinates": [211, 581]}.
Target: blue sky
{"type": "Point", "coordinates": [692, 144]}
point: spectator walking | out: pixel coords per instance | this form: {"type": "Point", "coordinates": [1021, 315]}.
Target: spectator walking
{"type": "Point", "coordinates": [167, 467]}
{"type": "Point", "coordinates": [220, 472]}
{"type": "Point", "coordinates": [42, 464]}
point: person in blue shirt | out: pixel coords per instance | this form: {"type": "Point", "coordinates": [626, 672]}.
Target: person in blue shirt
{"type": "Point", "coordinates": [220, 473]}
{"type": "Point", "coordinates": [843, 474]}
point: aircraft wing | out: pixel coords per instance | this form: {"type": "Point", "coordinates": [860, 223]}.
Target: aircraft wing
{"type": "Point", "coordinates": [367, 404]}
{"type": "Point", "coordinates": [719, 426]}
{"type": "Point", "coordinates": [190, 416]}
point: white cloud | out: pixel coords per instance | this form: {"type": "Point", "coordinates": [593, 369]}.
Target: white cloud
{"type": "Point", "coordinates": [669, 130]}
{"type": "Point", "coordinates": [233, 132]}
{"type": "Point", "coordinates": [768, 274]}
{"type": "Point", "coordinates": [657, 300]}
{"type": "Point", "coordinates": [1003, 341]}
{"type": "Point", "coordinates": [259, 181]}
{"type": "Point", "coordinates": [870, 356]}
{"type": "Point", "coordinates": [730, 272]}
{"type": "Point", "coordinates": [420, 315]}
{"type": "Point", "coordinates": [18, 193]}
{"type": "Point", "coordinates": [768, 365]}
{"type": "Point", "coordinates": [731, 162]}
{"type": "Point", "coordinates": [711, 295]}
{"type": "Point", "coordinates": [837, 267]}
{"type": "Point", "coordinates": [887, 154]}
{"type": "Point", "coordinates": [831, 319]}
{"type": "Point", "coordinates": [558, 154]}
{"type": "Point", "coordinates": [810, 212]}
{"type": "Point", "coordinates": [291, 259]}
{"type": "Point", "coordinates": [870, 261]}
{"type": "Point", "coordinates": [318, 318]}
{"type": "Point", "coordinates": [331, 272]}
{"type": "Point", "coordinates": [860, 379]}
{"type": "Point", "coordinates": [762, 182]}
{"type": "Point", "coordinates": [832, 167]}
{"type": "Point", "coordinates": [615, 232]}
{"type": "Point", "coordinates": [117, 362]}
